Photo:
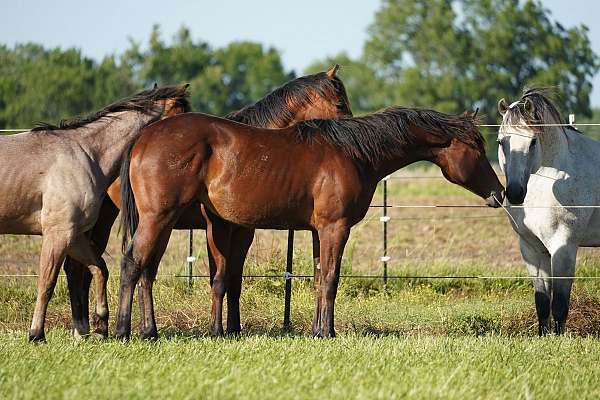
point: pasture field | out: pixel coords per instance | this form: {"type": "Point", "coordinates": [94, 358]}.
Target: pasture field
{"type": "Point", "coordinates": [424, 338]}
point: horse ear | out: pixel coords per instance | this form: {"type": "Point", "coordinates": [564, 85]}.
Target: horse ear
{"type": "Point", "coordinates": [502, 106]}
{"type": "Point", "coordinates": [529, 107]}
{"type": "Point", "coordinates": [332, 71]}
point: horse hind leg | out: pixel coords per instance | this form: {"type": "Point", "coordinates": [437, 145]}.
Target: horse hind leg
{"type": "Point", "coordinates": [563, 266]}
{"type": "Point", "coordinates": [79, 279]}
{"type": "Point", "coordinates": [135, 260]}
{"type": "Point", "coordinates": [99, 239]}
{"type": "Point", "coordinates": [148, 329]}
{"type": "Point", "coordinates": [218, 241]}
{"type": "Point", "coordinates": [538, 266]}
{"type": "Point", "coordinates": [333, 240]}
{"type": "Point", "coordinates": [54, 247]}
{"type": "Point", "coordinates": [316, 326]}
{"type": "Point", "coordinates": [240, 244]}
{"type": "Point", "coordinates": [101, 313]}
{"type": "Point", "coordinates": [83, 251]}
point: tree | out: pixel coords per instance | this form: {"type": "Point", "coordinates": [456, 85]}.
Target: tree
{"type": "Point", "coordinates": [456, 55]}
{"type": "Point", "coordinates": [179, 62]}
{"type": "Point", "coordinates": [222, 80]}
{"type": "Point", "coordinates": [243, 72]}
{"type": "Point", "coordinates": [37, 84]}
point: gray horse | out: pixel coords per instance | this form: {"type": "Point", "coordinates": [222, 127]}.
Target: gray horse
{"type": "Point", "coordinates": [552, 177]}
{"type": "Point", "coordinates": [53, 180]}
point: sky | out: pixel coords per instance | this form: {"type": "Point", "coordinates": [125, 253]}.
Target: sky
{"type": "Point", "coordinates": [303, 31]}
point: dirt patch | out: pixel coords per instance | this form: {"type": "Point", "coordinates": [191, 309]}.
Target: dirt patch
{"type": "Point", "coordinates": [583, 320]}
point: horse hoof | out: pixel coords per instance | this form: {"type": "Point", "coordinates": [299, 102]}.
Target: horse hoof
{"type": "Point", "coordinates": [217, 332]}
{"type": "Point", "coordinates": [150, 336]}
{"type": "Point", "coordinates": [101, 325]}
{"type": "Point", "coordinates": [37, 337]}
{"type": "Point", "coordinates": [78, 336]}
{"type": "Point", "coordinates": [234, 332]}
{"type": "Point", "coordinates": [122, 336]}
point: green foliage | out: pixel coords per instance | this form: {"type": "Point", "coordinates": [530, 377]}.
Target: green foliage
{"type": "Point", "coordinates": [38, 84]}
{"type": "Point", "coordinates": [222, 80]}
{"type": "Point", "coordinates": [456, 55]}
{"type": "Point", "coordinates": [451, 55]}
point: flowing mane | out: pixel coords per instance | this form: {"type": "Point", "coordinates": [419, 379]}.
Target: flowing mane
{"type": "Point", "coordinates": [276, 108]}
{"type": "Point", "coordinates": [385, 133]}
{"type": "Point", "coordinates": [543, 100]}
{"type": "Point", "coordinates": [142, 102]}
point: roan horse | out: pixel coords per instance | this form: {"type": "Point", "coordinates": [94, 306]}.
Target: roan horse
{"type": "Point", "coordinates": [321, 95]}
{"type": "Point", "coordinates": [53, 180]}
{"type": "Point", "coordinates": [318, 175]}
{"type": "Point", "coordinates": [550, 170]}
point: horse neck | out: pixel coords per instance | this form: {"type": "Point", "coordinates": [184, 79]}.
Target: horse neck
{"type": "Point", "coordinates": [411, 153]}
{"type": "Point", "coordinates": [554, 147]}
{"type": "Point", "coordinates": [106, 140]}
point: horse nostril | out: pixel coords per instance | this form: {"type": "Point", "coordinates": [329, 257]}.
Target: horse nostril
{"type": "Point", "coordinates": [515, 193]}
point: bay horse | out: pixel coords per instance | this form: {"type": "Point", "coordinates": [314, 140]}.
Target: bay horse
{"type": "Point", "coordinates": [318, 175]}
{"type": "Point", "coordinates": [550, 170]}
{"type": "Point", "coordinates": [53, 180]}
{"type": "Point", "coordinates": [320, 95]}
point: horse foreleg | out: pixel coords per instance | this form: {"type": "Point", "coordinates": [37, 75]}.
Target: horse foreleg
{"type": "Point", "coordinates": [241, 240]}
{"type": "Point", "coordinates": [218, 237]}
{"type": "Point", "coordinates": [148, 329]}
{"type": "Point", "coordinates": [316, 326]}
{"type": "Point", "coordinates": [538, 266]}
{"type": "Point", "coordinates": [563, 266]}
{"type": "Point", "coordinates": [333, 239]}
{"type": "Point", "coordinates": [54, 248]}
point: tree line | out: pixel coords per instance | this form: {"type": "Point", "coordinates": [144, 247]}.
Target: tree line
{"type": "Point", "coordinates": [450, 55]}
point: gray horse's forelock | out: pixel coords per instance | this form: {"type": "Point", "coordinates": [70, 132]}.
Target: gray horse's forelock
{"type": "Point", "coordinates": [543, 101]}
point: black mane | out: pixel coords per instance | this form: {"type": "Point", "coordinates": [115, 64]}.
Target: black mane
{"type": "Point", "coordinates": [276, 107]}
{"type": "Point", "coordinates": [543, 100]}
{"type": "Point", "coordinates": [385, 134]}
{"type": "Point", "coordinates": [142, 102]}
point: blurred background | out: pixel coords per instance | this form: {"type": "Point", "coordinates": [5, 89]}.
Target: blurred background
{"type": "Point", "coordinates": [63, 58]}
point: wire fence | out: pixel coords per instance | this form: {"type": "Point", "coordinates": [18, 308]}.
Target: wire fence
{"type": "Point", "coordinates": [385, 218]}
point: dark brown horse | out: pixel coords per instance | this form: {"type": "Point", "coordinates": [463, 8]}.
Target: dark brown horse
{"type": "Point", "coordinates": [320, 95]}
{"type": "Point", "coordinates": [318, 175]}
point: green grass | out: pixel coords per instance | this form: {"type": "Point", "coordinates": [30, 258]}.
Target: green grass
{"type": "Point", "coordinates": [463, 339]}
{"type": "Point", "coordinates": [351, 366]}
{"type": "Point", "coordinates": [443, 338]}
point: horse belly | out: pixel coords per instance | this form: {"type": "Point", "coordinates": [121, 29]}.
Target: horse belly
{"type": "Point", "coordinates": [20, 214]}
{"type": "Point", "coordinates": [266, 203]}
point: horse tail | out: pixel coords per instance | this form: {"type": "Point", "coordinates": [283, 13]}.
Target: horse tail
{"type": "Point", "coordinates": [129, 213]}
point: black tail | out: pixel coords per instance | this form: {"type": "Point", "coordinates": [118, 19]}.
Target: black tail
{"type": "Point", "coordinates": [129, 213]}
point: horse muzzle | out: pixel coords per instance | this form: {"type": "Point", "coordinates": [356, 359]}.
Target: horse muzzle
{"type": "Point", "coordinates": [496, 199]}
{"type": "Point", "coordinates": [515, 193]}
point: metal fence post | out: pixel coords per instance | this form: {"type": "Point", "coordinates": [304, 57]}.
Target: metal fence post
{"type": "Point", "coordinates": [384, 219]}
{"type": "Point", "coordinates": [190, 258]}
{"type": "Point", "coordinates": [288, 281]}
